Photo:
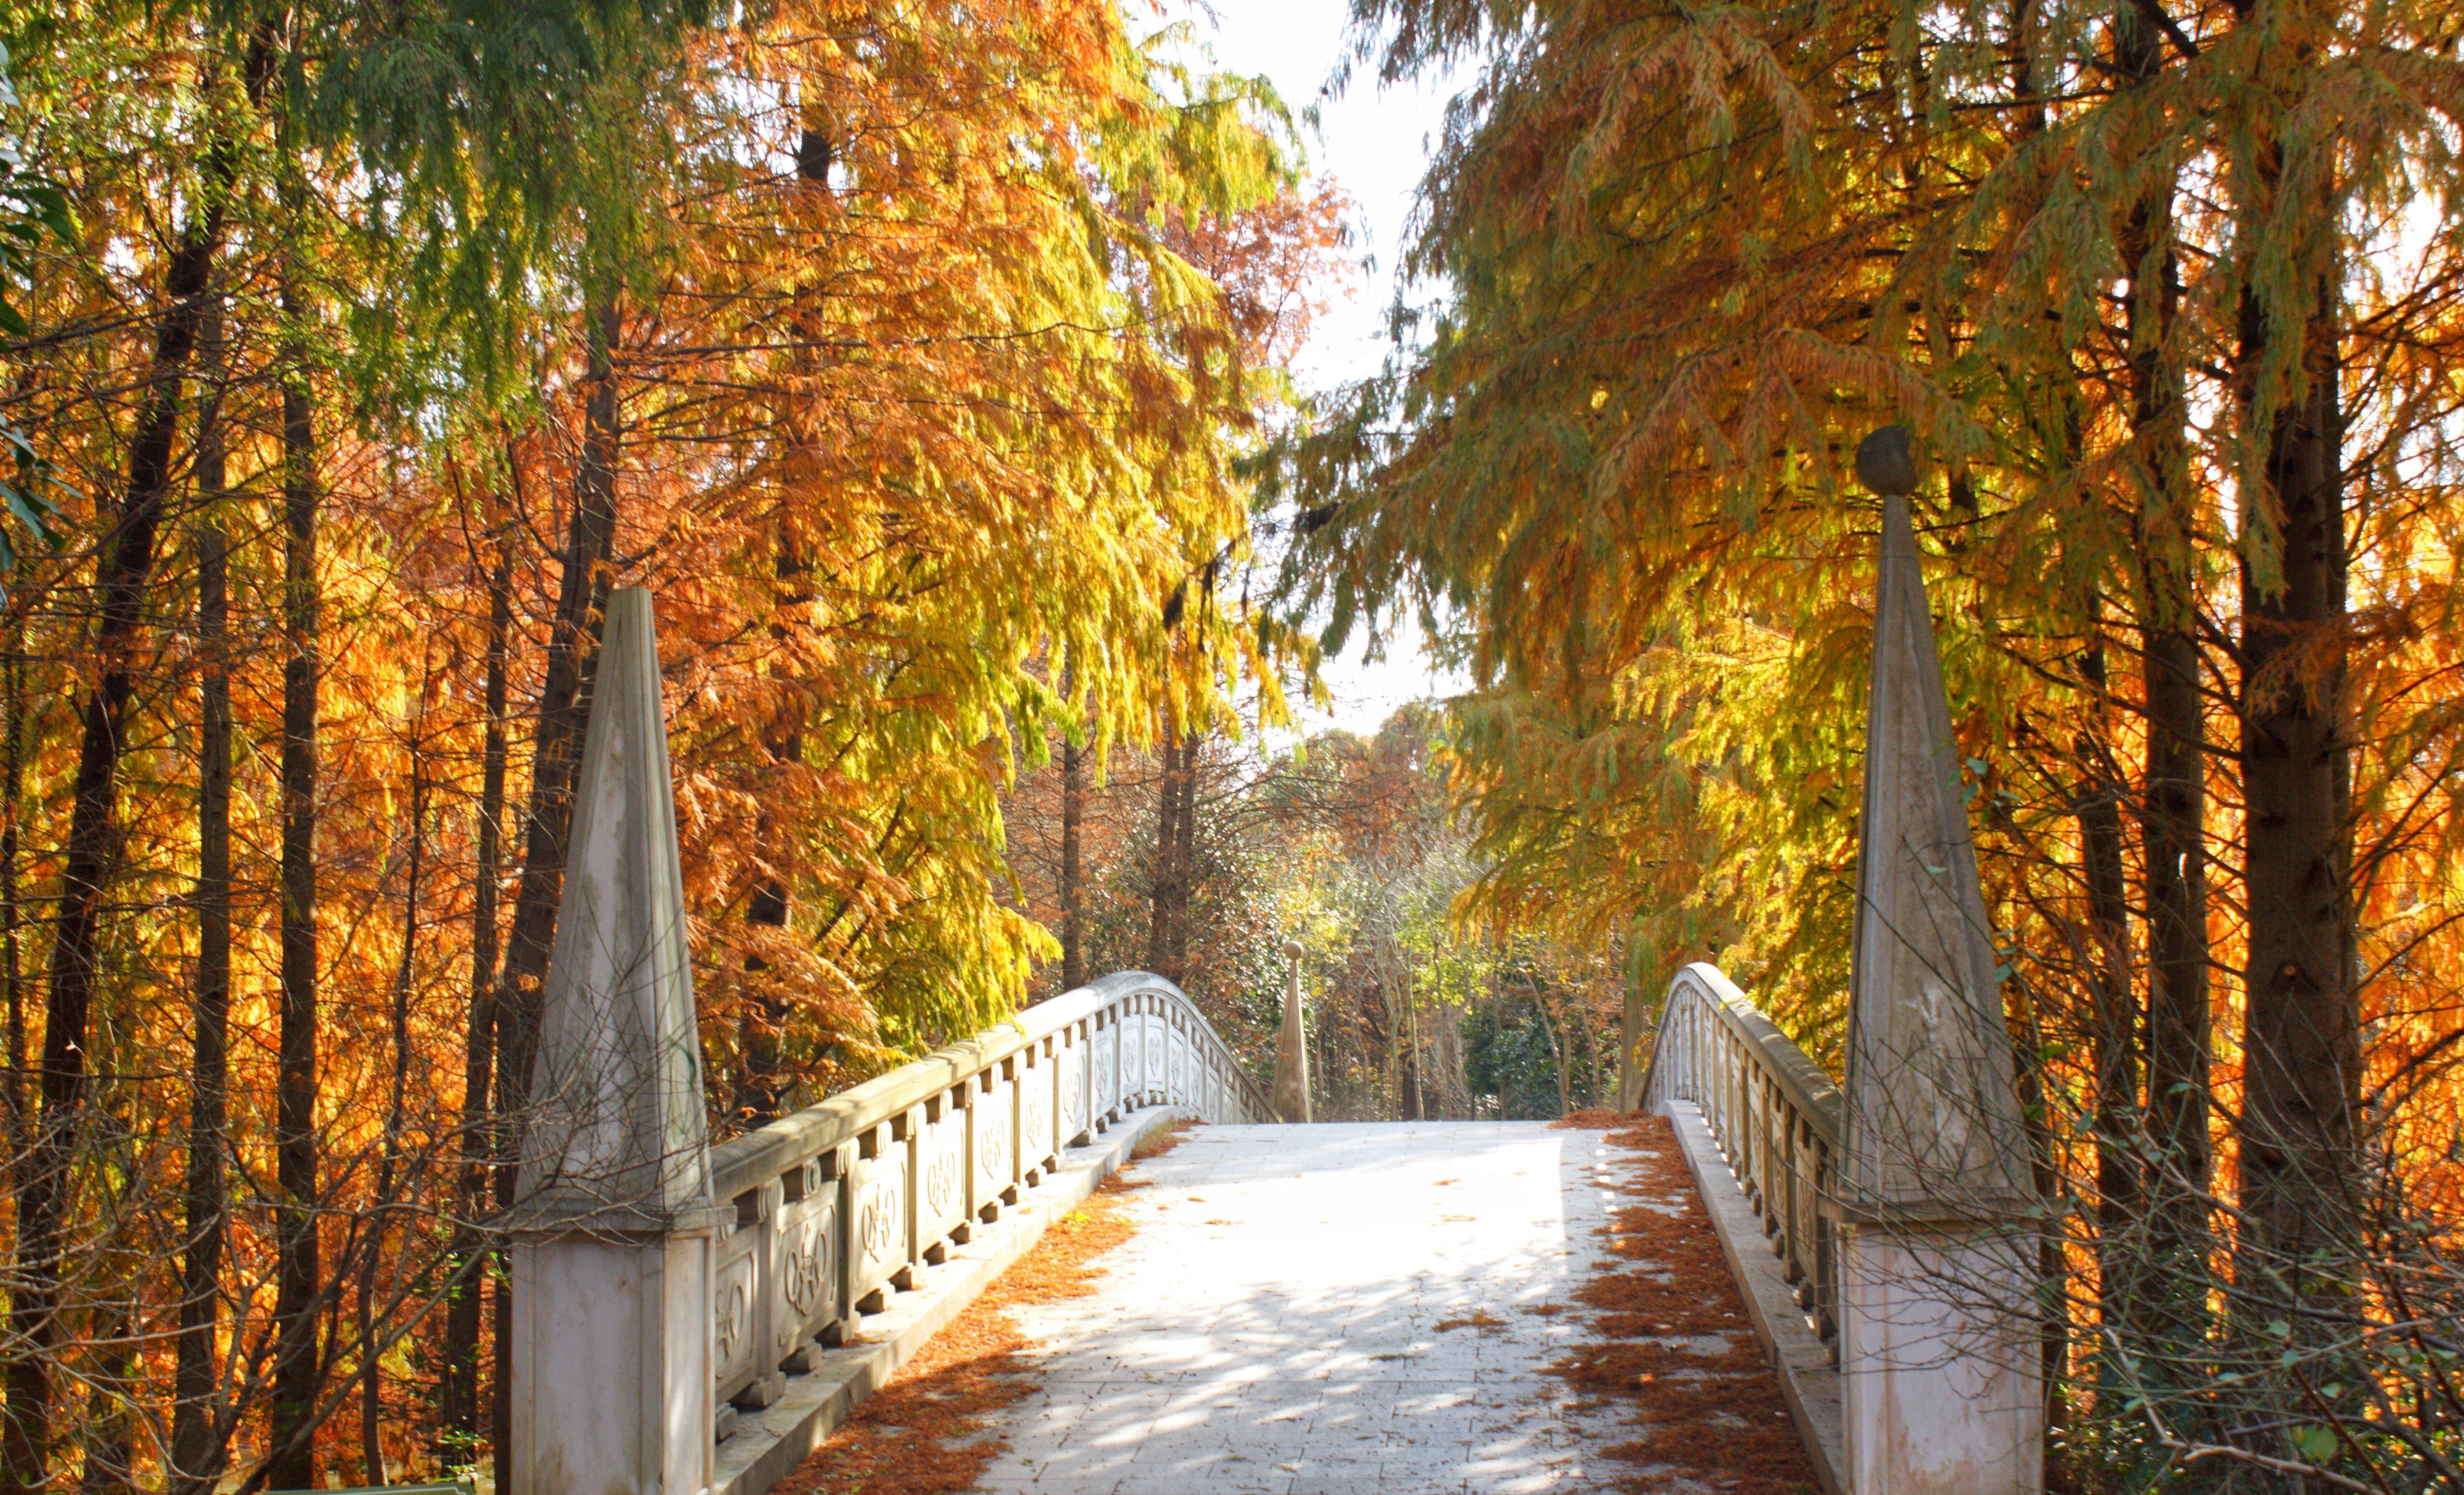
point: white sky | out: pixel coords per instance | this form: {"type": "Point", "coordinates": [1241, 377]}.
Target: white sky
{"type": "Point", "coordinates": [1375, 142]}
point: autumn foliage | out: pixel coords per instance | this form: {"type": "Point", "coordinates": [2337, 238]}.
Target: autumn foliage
{"type": "Point", "coordinates": [2167, 294]}
{"type": "Point", "coordinates": [903, 352]}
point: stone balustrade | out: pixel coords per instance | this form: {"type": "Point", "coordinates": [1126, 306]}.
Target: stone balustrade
{"type": "Point", "coordinates": [826, 1213]}
{"type": "Point", "coordinates": [1776, 1117]}
{"type": "Point", "coordinates": [661, 1285]}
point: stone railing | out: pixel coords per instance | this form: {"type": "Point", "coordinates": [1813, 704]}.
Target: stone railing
{"type": "Point", "coordinates": [1777, 1118]}
{"type": "Point", "coordinates": [661, 1285]}
{"type": "Point", "coordinates": [825, 1213]}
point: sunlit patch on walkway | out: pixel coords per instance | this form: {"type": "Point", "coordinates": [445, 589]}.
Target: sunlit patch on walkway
{"type": "Point", "coordinates": [1328, 1308]}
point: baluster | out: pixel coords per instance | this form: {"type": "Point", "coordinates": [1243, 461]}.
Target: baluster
{"type": "Point", "coordinates": [1750, 1079]}
{"type": "Point", "coordinates": [1715, 1085]}
{"type": "Point", "coordinates": [1792, 1234]}
{"type": "Point", "coordinates": [1014, 1070]}
{"type": "Point", "coordinates": [1731, 1093]}
{"type": "Point", "coordinates": [838, 1178]}
{"type": "Point", "coordinates": [1773, 1186]}
{"type": "Point", "coordinates": [1076, 1127]}
{"type": "Point", "coordinates": [1826, 1258]}
{"type": "Point", "coordinates": [908, 1130]}
{"type": "Point", "coordinates": [991, 1137]}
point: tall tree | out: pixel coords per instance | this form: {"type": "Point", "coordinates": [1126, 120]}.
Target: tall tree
{"type": "Point", "coordinates": [1073, 877]}
{"type": "Point", "coordinates": [2173, 663]}
{"type": "Point", "coordinates": [2301, 1114]}
{"type": "Point", "coordinates": [460, 1389]}
{"type": "Point", "coordinates": [299, 1284]}
{"type": "Point", "coordinates": [195, 1461]}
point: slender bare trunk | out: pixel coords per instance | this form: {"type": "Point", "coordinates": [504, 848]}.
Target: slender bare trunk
{"type": "Point", "coordinates": [760, 1091]}
{"type": "Point", "coordinates": [2173, 825]}
{"type": "Point", "coordinates": [12, 788]}
{"type": "Point", "coordinates": [196, 1444]}
{"type": "Point", "coordinates": [1184, 880]}
{"type": "Point", "coordinates": [390, 1161]}
{"type": "Point", "coordinates": [1073, 814]}
{"type": "Point", "coordinates": [299, 1281]}
{"type": "Point", "coordinates": [462, 1315]}
{"type": "Point", "coordinates": [1165, 897]}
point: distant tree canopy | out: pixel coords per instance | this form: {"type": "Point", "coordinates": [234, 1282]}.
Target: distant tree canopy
{"type": "Point", "coordinates": [1354, 846]}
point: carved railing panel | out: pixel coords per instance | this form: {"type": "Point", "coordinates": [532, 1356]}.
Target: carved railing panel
{"type": "Point", "coordinates": [1778, 1117]}
{"type": "Point", "coordinates": [825, 1214]}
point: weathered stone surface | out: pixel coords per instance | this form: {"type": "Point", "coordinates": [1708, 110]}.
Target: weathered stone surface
{"type": "Point", "coordinates": [614, 1336]}
{"type": "Point", "coordinates": [1886, 462]}
{"type": "Point", "coordinates": [612, 1365]}
{"type": "Point", "coordinates": [1938, 1356]}
{"type": "Point", "coordinates": [1942, 1392]}
{"type": "Point", "coordinates": [616, 1137]}
{"type": "Point", "coordinates": [1933, 1118]}
{"type": "Point", "coordinates": [1291, 1092]}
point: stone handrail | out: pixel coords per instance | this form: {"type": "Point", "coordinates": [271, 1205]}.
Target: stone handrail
{"type": "Point", "coordinates": [1779, 1118]}
{"type": "Point", "coordinates": [824, 1213]}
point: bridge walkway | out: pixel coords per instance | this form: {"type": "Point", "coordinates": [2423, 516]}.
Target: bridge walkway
{"type": "Point", "coordinates": [1308, 1310]}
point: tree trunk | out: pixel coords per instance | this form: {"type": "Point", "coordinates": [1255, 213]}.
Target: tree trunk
{"type": "Point", "coordinates": [390, 1164]}
{"type": "Point", "coordinates": [563, 715]}
{"type": "Point", "coordinates": [2301, 1039]}
{"type": "Point", "coordinates": [2173, 812]}
{"type": "Point", "coordinates": [12, 788]}
{"type": "Point", "coordinates": [1166, 894]}
{"type": "Point", "coordinates": [563, 712]}
{"type": "Point", "coordinates": [1184, 879]}
{"type": "Point", "coordinates": [298, 1279]}
{"type": "Point", "coordinates": [1073, 813]}
{"type": "Point", "coordinates": [460, 1386]}
{"type": "Point", "coordinates": [760, 1093]}
{"type": "Point", "coordinates": [2113, 1021]}
{"type": "Point", "coordinates": [196, 1443]}
{"type": "Point", "coordinates": [123, 571]}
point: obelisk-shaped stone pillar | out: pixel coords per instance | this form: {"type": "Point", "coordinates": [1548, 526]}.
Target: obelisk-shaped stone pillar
{"type": "Point", "coordinates": [1939, 1341]}
{"type": "Point", "coordinates": [1292, 1094]}
{"type": "Point", "coordinates": [614, 1232]}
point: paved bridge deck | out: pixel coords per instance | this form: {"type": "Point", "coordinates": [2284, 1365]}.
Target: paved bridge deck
{"type": "Point", "coordinates": [1330, 1307]}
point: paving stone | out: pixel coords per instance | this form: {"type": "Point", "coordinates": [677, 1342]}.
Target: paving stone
{"type": "Point", "coordinates": [1272, 1328]}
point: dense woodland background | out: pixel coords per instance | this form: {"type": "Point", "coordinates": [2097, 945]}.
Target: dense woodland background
{"type": "Point", "coordinates": [928, 362]}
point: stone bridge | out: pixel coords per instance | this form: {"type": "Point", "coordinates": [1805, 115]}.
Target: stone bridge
{"type": "Point", "coordinates": [694, 1320]}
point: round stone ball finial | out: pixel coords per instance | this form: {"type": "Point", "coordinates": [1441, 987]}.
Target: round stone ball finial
{"type": "Point", "coordinates": [1886, 462]}
{"type": "Point", "coordinates": [1294, 949]}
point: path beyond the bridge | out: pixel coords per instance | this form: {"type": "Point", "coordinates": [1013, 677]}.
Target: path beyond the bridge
{"type": "Point", "coordinates": [1328, 1308]}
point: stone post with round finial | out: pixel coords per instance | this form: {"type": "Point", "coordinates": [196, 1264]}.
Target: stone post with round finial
{"type": "Point", "coordinates": [1940, 1349]}
{"type": "Point", "coordinates": [1291, 1092]}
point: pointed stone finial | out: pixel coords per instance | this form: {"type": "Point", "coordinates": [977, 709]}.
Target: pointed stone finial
{"type": "Point", "coordinates": [1933, 1112]}
{"type": "Point", "coordinates": [617, 1135]}
{"type": "Point", "coordinates": [1292, 1094]}
{"type": "Point", "coordinates": [1940, 1351]}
